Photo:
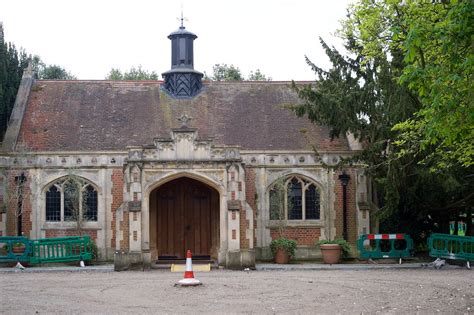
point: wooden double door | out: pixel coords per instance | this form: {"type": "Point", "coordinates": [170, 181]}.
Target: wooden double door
{"type": "Point", "coordinates": [187, 218]}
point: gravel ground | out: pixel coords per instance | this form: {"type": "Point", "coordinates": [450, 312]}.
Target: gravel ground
{"type": "Point", "coordinates": [422, 291]}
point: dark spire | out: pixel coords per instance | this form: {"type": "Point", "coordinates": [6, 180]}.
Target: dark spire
{"type": "Point", "coordinates": [182, 80]}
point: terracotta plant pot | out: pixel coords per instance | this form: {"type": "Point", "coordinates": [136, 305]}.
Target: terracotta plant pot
{"type": "Point", "coordinates": [281, 256]}
{"type": "Point", "coordinates": [18, 249]}
{"type": "Point", "coordinates": [331, 253]}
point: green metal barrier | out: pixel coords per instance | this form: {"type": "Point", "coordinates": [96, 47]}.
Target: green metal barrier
{"type": "Point", "coordinates": [14, 249]}
{"type": "Point", "coordinates": [451, 246]}
{"type": "Point", "coordinates": [385, 246]}
{"type": "Point", "coordinates": [61, 249]}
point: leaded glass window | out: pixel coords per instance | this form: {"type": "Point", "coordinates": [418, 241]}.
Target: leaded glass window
{"type": "Point", "coordinates": [69, 199]}
{"type": "Point", "coordinates": [312, 203]}
{"type": "Point", "coordinates": [90, 201]}
{"type": "Point", "coordinates": [294, 204]}
{"type": "Point", "coordinates": [53, 204]}
{"type": "Point", "coordinates": [300, 199]}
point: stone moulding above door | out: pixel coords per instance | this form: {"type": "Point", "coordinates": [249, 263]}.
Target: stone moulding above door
{"type": "Point", "coordinates": [183, 145]}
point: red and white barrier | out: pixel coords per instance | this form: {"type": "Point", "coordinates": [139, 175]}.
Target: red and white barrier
{"type": "Point", "coordinates": [385, 236]}
{"type": "Point", "coordinates": [189, 279]}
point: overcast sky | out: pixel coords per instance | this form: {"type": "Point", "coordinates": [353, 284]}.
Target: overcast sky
{"type": "Point", "coordinates": [89, 37]}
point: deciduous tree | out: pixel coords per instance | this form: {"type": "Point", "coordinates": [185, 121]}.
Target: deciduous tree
{"type": "Point", "coordinates": [133, 74]}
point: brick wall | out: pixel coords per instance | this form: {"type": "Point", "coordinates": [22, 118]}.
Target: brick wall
{"type": "Point", "coordinates": [250, 191]}
{"type": "Point", "coordinates": [117, 199]}
{"type": "Point", "coordinates": [302, 235]}
{"type": "Point", "coordinates": [71, 232]}
{"type": "Point", "coordinates": [125, 228]}
{"type": "Point", "coordinates": [351, 206]}
{"type": "Point", "coordinates": [11, 199]}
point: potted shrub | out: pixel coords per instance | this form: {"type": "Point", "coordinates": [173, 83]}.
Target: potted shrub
{"type": "Point", "coordinates": [333, 249]}
{"type": "Point", "coordinates": [4, 250]}
{"type": "Point", "coordinates": [283, 249]}
{"type": "Point", "coordinates": [18, 248]}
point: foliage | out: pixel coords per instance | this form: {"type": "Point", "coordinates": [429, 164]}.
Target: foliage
{"type": "Point", "coordinates": [277, 205]}
{"type": "Point", "coordinates": [75, 199]}
{"type": "Point", "coordinates": [371, 93]}
{"type": "Point", "coordinates": [224, 72]}
{"type": "Point", "coordinates": [258, 76]}
{"type": "Point", "coordinates": [363, 99]}
{"type": "Point", "coordinates": [54, 72]}
{"type": "Point", "coordinates": [345, 246]}
{"type": "Point", "coordinates": [94, 250]}
{"type": "Point", "coordinates": [435, 39]}
{"type": "Point", "coordinates": [12, 64]}
{"type": "Point", "coordinates": [288, 245]}
{"type": "Point", "coordinates": [277, 209]}
{"type": "Point", "coordinates": [44, 71]}
{"type": "Point", "coordinates": [16, 189]}
{"type": "Point", "coordinates": [133, 74]}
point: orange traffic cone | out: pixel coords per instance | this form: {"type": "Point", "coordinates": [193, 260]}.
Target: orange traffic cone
{"type": "Point", "coordinates": [188, 273]}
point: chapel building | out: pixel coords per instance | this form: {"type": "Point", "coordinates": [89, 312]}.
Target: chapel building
{"type": "Point", "coordinates": [177, 164]}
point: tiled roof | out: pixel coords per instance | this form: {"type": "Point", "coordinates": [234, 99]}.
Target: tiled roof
{"type": "Point", "coordinates": [111, 115]}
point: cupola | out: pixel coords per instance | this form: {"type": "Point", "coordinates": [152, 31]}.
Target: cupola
{"type": "Point", "coordinates": [182, 80]}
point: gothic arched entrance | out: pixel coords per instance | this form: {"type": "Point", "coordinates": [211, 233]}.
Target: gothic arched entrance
{"type": "Point", "coordinates": [186, 216]}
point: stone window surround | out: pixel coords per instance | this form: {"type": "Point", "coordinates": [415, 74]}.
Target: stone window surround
{"type": "Point", "coordinates": [68, 225]}
{"type": "Point", "coordinates": [304, 222]}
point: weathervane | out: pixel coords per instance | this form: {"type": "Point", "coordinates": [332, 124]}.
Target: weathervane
{"type": "Point", "coordinates": [182, 19]}
{"type": "Point", "coordinates": [184, 119]}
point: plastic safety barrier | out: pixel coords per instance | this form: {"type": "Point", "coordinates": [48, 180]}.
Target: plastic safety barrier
{"type": "Point", "coordinates": [451, 246]}
{"type": "Point", "coordinates": [14, 249]}
{"type": "Point", "coordinates": [385, 246]}
{"type": "Point", "coordinates": [47, 250]}
{"type": "Point", "coordinates": [61, 249]}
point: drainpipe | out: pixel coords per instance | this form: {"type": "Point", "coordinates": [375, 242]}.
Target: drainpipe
{"type": "Point", "coordinates": [344, 178]}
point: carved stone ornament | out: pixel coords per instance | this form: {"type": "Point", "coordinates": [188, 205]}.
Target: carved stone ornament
{"type": "Point", "coordinates": [233, 205]}
{"type": "Point", "coordinates": [179, 136]}
{"type": "Point", "coordinates": [184, 119]}
{"type": "Point", "coordinates": [164, 145]}
{"type": "Point", "coordinates": [216, 175]}
{"type": "Point", "coordinates": [218, 153]}
{"type": "Point", "coordinates": [135, 154]}
{"type": "Point", "coordinates": [202, 145]}
{"type": "Point", "coordinates": [134, 206]}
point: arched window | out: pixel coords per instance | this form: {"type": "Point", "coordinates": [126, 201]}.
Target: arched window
{"type": "Point", "coordinates": [53, 204]}
{"type": "Point", "coordinates": [294, 198]}
{"type": "Point", "coordinates": [70, 199]}
{"type": "Point", "coordinates": [90, 197]}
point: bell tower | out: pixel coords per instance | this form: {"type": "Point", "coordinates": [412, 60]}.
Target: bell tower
{"type": "Point", "coordinates": [182, 80]}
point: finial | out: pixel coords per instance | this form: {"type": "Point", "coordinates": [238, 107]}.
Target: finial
{"type": "Point", "coordinates": [184, 119]}
{"type": "Point", "coordinates": [182, 18]}
{"type": "Point", "coordinates": [30, 68]}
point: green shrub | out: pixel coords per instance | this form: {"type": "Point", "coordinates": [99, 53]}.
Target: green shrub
{"type": "Point", "coordinates": [94, 250]}
{"type": "Point", "coordinates": [288, 245]}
